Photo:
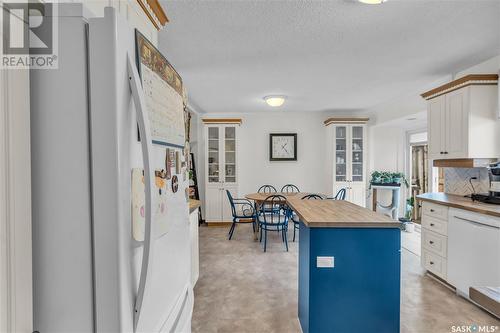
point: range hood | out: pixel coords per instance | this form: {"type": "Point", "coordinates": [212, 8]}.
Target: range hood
{"type": "Point", "coordinates": [464, 162]}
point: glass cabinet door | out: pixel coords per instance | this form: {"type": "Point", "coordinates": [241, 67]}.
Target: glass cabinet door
{"type": "Point", "coordinates": [213, 155]}
{"type": "Point", "coordinates": [357, 153]}
{"type": "Point", "coordinates": [340, 153]}
{"type": "Point", "coordinates": [230, 154]}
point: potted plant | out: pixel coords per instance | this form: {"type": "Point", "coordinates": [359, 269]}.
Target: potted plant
{"type": "Point", "coordinates": [398, 178]}
{"type": "Point", "coordinates": [376, 177]}
{"type": "Point", "coordinates": [408, 225]}
{"type": "Point", "coordinates": [388, 178]}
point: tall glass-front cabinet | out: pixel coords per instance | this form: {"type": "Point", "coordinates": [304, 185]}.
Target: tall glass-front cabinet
{"type": "Point", "coordinates": [221, 170]}
{"type": "Point", "coordinates": [348, 150]}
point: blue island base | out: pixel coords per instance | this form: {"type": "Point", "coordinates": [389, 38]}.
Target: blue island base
{"type": "Point", "coordinates": [361, 292]}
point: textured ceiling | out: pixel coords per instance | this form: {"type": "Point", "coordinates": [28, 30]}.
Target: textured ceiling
{"type": "Point", "coordinates": [323, 55]}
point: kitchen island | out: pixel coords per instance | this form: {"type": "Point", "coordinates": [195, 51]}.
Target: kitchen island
{"type": "Point", "coordinates": [349, 268]}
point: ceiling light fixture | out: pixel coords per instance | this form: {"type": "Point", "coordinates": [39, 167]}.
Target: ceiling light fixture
{"type": "Point", "coordinates": [274, 101]}
{"type": "Point", "coordinates": [372, 2]}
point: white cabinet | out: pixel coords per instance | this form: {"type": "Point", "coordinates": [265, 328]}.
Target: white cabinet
{"type": "Point", "coordinates": [435, 238]}
{"type": "Point", "coordinates": [195, 249]}
{"type": "Point", "coordinates": [349, 161]}
{"type": "Point", "coordinates": [221, 170]}
{"type": "Point", "coordinates": [461, 247]}
{"type": "Point", "coordinates": [435, 118]}
{"type": "Point", "coordinates": [455, 122]}
{"type": "Point", "coordinates": [461, 119]}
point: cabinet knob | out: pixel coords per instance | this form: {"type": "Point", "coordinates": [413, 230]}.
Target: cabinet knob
{"type": "Point", "coordinates": [432, 262]}
{"type": "Point", "coordinates": [431, 242]}
{"type": "Point", "coordinates": [432, 210]}
{"type": "Point", "coordinates": [441, 152]}
{"type": "Point", "coordinates": [432, 224]}
{"type": "Point", "coordinates": [446, 152]}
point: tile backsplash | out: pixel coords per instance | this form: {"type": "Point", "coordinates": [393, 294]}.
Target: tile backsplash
{"type": "Point", "coordinates": [456, 180]}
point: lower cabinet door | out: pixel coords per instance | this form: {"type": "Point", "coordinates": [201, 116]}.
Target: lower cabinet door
{"type": "Point", "coordinates": [213, 202]}
{"type": "Point", "coordinates": [357, 194]}
{"type": "Point", "coordinates": [434, 263]}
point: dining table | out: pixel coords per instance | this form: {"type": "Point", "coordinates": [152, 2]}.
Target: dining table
{"type": "Point", "coordinates": [259, 198]}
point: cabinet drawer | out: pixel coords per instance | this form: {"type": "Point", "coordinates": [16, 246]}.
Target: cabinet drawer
{"type": "Point", "coordinates": [434, 242]}
{"type": "Point", "coordinates": [434, 263]}
{"type": "Point", "coordinates": [434, 210]}
{"type": "Point", "coordinates": [436, 225]}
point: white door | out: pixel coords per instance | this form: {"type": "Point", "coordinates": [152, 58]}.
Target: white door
{"type": "Point", "coordinates": [213, 196]}
{"type": "Point", "coordinates": [229, 171]}
{"type": "Point", "coordinates": [350, 162]}
{"type": "Point", "coordinates": [340, 156]}
{"type": "Point", "coordinates": [455, 123]}
{"type": "Point", "coordinates": [221, 171]}
{"type": "Point", "coordinates": [213, 200]}
{"type": "Point", "coordinates": [357, 194]}
{"type": "Point", "coordinates": [436, 111]}
{"type": "Point", "coordinates": [356, 168]}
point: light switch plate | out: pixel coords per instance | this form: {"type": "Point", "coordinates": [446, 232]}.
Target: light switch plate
{"type": "Point", "coordinates": [325, 262]}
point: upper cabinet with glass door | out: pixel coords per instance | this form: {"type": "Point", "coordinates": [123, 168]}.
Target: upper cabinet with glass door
{"type": "Point", "coordinates": [213, 152]}
{"type": "Point", "coordinates": [221, 153]}
{"type": "Point", "coordinates": [349, 156]}
{"type": "Point", "coordinates": [341, 153]}
{"type": "Point", "coordinates": [357, 151]}
{"type": "Point", "coordinates": [230, 154]}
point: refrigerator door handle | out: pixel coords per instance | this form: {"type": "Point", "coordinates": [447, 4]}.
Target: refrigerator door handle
{"type": "Point", "coordinates": [144, 131]}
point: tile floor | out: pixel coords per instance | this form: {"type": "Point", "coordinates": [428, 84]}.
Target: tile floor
{"type": "Point", "coordinates": [242, 289]}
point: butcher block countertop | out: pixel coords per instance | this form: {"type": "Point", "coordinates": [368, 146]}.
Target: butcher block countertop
{"type": "Point", "coordinates": [338, 214]}
{"type": "Point", "coordinates": [193, 204]}
{"type": "Point", "coordinates": [459, 201]}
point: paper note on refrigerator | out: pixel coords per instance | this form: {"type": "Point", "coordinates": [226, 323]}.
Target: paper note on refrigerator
{"type": "Point", "coordinates": [138, 206]}
{"type": "Point", "coordinates": [163, 93]}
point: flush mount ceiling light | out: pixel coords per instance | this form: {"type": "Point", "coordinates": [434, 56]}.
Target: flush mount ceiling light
{"type": "Point", "coordinates": [274, 101]}
{"type": "Point", "coordinates": [372, 2]}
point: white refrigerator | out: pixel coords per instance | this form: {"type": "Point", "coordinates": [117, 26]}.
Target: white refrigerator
{"type": "Point", "coordinates": [89, 273]}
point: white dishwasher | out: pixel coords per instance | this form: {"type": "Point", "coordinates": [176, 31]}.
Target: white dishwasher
{"type": "Point", "coordinates": [473, 250]}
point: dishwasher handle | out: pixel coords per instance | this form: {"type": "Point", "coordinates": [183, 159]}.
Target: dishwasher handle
{"type": "Point", "coordinates": [476, 223]}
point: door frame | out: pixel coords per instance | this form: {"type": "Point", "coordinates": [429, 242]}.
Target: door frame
{"type": "Point", "coordinates": [408, 148]}
{"type": "Point", "coordinates": [408, 159]}
{"type": "Point", "coordinates": [16, 296]}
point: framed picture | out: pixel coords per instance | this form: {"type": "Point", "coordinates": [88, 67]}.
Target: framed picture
{"type": "Point", "coordinates": [283, 146]}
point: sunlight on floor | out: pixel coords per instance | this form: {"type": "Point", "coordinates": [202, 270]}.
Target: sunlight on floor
{"type": "Point", "coordinates": [411, 240]}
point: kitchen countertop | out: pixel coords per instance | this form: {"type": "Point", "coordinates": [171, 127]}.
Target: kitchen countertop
{"type": "Point", "coordinates": [338, 214]}
{"type": "Point", "coordinates": [193, 204]}
{"type": "Point", "coordinates": [459, 201]}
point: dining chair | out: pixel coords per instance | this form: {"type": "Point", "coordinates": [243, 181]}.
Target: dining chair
{"type": "Point", "coordinates": [341, 194]}
{"type": "Point", "coordinates": [295, 218]}
{"type": "Point", "coordinates": [267, 189]}
{"type": "Point", "coordinates": [290, 188]}
{"type": "Point", "coordinates": [241, 209]}
{"type": "Point", "coordinates": [312, 196]}
{"type": "Point", "coordinates": [274, 220]}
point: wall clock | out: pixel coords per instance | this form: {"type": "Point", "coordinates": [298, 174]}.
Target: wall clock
{"type": "Point", "coordinates": [283, 147]}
